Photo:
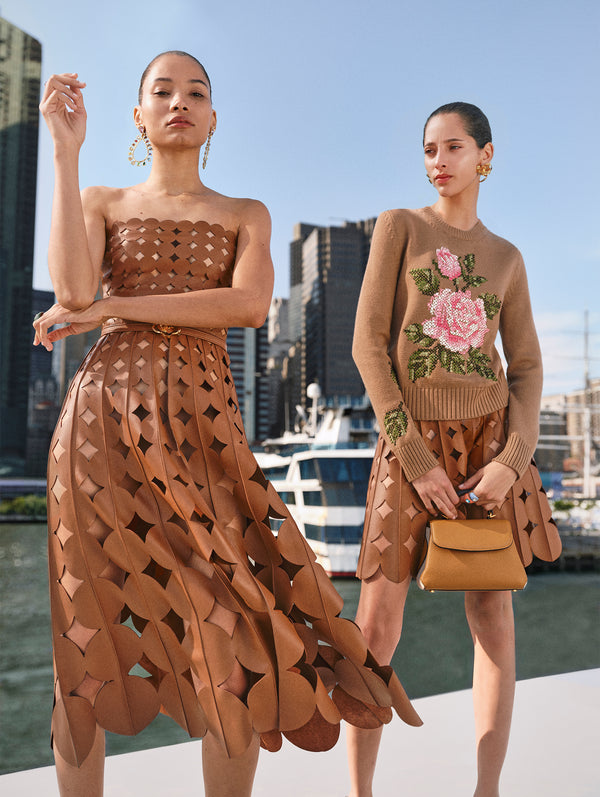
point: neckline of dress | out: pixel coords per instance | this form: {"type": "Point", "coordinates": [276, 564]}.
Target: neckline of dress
{"type": "Point", "coordinates": [148, 219]}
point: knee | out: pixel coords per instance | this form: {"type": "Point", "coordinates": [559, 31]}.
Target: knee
{"type": "Point", "coordinates": [381, 637]}
{"type": "Point", "coordinates": [489, 613]}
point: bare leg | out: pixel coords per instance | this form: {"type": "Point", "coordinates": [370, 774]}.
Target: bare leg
{"type": "Point", "coordinates": [490, 616]}
{"type": "Point", "coordinates": [224, 776]}
{"type": "Point", "coordinates": [228, 777]}
{"type": "Point", "coordinates": [88, 779]}
{"type": "Point", "coordinates": [379, 616]}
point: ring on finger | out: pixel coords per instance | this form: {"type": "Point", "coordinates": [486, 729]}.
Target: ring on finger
{"type": "Point", "coordinates": [37, 316]}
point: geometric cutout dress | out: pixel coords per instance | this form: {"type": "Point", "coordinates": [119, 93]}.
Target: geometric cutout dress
{"type": "Point", "coordinates": [396, 519]}
{"type": "Point", "coordinates": [165, 575]}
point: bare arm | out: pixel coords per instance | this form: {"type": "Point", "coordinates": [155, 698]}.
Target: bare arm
{"type": "Point", "coordinates": [76, 233]}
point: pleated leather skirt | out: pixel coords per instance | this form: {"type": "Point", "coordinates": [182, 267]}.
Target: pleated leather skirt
{"type": "Point", "coordinates": [396, 519]}
{"type": "Point", "coordinates": [166, 578]}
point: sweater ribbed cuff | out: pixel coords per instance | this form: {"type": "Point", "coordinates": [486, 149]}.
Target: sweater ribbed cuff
{"type": "Point", "coordinates": [416, 459]}
{"type": "Point", "coordinates": [516, 454]}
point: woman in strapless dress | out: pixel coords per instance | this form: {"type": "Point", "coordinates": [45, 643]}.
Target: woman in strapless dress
{"type": "Point", "coordinates": [169, 590]}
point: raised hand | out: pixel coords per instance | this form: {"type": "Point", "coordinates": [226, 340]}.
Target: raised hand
{"type": "Point", "coordinates": [63, 109]}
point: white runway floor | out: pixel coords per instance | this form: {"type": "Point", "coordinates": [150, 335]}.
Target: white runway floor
{"type": "Point", "coordinates": [554, 752]}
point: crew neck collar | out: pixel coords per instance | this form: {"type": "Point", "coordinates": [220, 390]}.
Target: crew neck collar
{"type": "Point", "coordinates": [435, 220]}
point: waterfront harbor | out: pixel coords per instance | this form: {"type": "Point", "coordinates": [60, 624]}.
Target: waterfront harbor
{"type": "Point", "coordinates": [552, 752]}
{"type": "Point", "coordinates": [556, 625]}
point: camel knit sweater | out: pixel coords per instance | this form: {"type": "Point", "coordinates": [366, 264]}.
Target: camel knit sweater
{"type": "Point", "coordinates": [432, 302]}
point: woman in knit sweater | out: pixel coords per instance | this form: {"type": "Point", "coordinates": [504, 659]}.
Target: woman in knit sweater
{"type": "Point", "coordinates": [438, 288]}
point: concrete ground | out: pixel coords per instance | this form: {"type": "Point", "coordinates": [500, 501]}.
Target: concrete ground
{"type": "Point", "coordinates": [554, 752]}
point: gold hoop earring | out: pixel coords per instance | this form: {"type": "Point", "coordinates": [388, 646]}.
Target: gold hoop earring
{"type": "Point", "coordinates": [141, 139]}
{"type": "Point", "coordinates": [207, 147]}
{"type": "Point", "coordinates": [429, 178]}
{"type": "Point", "coordinates": [483, 169]}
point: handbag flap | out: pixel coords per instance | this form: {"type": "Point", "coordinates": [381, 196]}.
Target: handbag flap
{"type": "Point", "coordinates": [486, 534]}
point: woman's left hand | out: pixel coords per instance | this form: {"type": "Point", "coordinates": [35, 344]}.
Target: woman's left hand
{"type": "Point", "coordinates": [78, 321]}
{"type": "Point", "coordinates": [490, 484]}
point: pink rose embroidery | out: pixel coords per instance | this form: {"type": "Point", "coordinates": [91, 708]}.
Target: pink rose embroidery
{"type": "Point", "coordinates": [454, 334]}
{"type": "Point", "coordinates": [448, 263]}
{"type": "Point", "coordinates": [458, 322]}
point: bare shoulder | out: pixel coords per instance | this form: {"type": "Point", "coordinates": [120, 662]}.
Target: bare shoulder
{"type": "Point", "coordinates": [99, 199]}
{"type": "Point", "coordinates": [243, 208]}
{"type": "Point", "coordinates": [243, 213]}
{"type": "Point", "coordinates": [253, 211]}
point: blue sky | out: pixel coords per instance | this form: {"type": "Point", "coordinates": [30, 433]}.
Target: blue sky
{"type": "Point", "coordinates": [320, 113]}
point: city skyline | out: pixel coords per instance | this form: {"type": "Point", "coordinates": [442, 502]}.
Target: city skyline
{"type": "Point", "coordinates": [20, 65]}
{"type": "Point", "coordinates": [321, 112]}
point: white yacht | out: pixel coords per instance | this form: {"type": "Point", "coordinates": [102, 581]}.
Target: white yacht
{"type": "Point", "coordinates": [325, 491]}
{"type": "Point", "coordinates": [323, 479]}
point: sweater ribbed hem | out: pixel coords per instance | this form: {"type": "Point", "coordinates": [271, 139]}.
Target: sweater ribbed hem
{"type": "Point", "coordinates": [454, 403]}
{"type": "Point", "coordinates": [516, 454]}
{"type": "Point", "coordinates": [415, 458]}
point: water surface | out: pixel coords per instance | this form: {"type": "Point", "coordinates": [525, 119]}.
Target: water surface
{"type": "Point", "coordinates": [557, 631]}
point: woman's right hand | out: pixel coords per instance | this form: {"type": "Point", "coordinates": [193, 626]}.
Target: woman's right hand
{"type": "Point", "coordinates": [63, 109]}
{"type": "Point", "coordinates": [76, 322]}
{"type": "Point", "coordinates": [437, 492]}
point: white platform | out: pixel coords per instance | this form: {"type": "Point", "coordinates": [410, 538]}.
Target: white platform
{"type": "Point", "coordinates": [554, 752]}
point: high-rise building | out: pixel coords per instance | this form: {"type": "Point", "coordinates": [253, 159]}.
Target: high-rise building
{"type": "Point", "coordinates": [44, 401]}
{"type": "Point", "coordinates": [327, 265]}
{"type": "Point", "coordinates": [279, 347]}
{"type": "Point", "coordinates": [248, 350]}
{"type": "Point", "coordinates": [20, 73]}
{"type": "Point", "coordinates": [41, 359]}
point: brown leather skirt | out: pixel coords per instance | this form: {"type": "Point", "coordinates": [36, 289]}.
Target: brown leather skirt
{"type": "Point", "coordinates": [165, 576]}
{"type": "Point", "coordinates": [395, 519]}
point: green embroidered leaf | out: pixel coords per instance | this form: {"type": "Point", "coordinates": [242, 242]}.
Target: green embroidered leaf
{"type": "Point", "coordinates": [483, 370]}
{"type": "Point", "coordinates": [422, 363]}
{"type": "Point", "coordinates": [394, 376]}
{"type": "Point", "coordinates": [415, 333]}
{"type": "Point", "coordinates": [477, 357]}
{"type": "Point", "coordinates": [478, 362]}
{"type": "Point", "coordinates": [395, 423]}
{"type": "Point", "coordinates": [474, 282]}
{"type": "Point", "coordinates": [492, 304]}
{"type": "Point", "coordinates": [452, 361]}
{"type": "Point", "coordinates": [425, 280]}
{"type": "Point", "coordinates": [469, 263]}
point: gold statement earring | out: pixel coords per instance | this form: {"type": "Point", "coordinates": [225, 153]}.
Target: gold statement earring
{"type": "Point", "coordinates": [429, 178]}
{"type": "Point", "coordinates": [483, 170]}
{"type": "Point", "coordinates": [207, 147]}
{"type": "Point", "coordinates": [141, 139]}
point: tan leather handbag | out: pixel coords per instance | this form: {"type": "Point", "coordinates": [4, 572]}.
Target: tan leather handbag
{"type": "Point", "coordinates": [466, 555]}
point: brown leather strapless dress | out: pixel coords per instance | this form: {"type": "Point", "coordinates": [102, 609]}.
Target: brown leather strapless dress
{"type": "Point", "coordinates": [165, 576]}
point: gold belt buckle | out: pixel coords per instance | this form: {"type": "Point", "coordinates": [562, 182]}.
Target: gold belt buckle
{"type": "Point", "coordinates": [166, 329]}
